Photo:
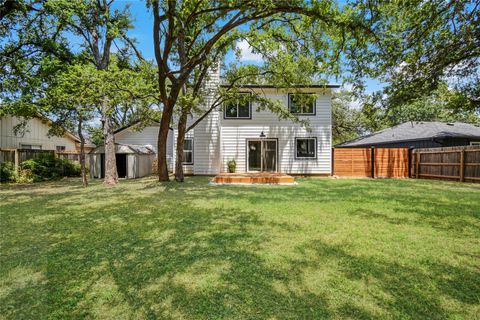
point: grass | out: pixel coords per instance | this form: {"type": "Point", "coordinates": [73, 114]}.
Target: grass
{"type": "Point", "coordinates": [333, 249]}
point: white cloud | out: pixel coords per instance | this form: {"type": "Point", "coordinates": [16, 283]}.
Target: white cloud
{"type": "Point", "coordinates": [246, 53]}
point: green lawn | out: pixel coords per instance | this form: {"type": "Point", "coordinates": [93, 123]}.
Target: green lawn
{"type": "Point", "coordinates": [360, 249]}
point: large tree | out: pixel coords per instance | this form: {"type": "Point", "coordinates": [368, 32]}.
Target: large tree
{"type": "Point", "coordinates": [77, 94]}
{"type": "Point", "coordinates": [187, 34]}
{"type": "Point", "coordinates": [70, 99]}
{"type": "Point", "coordinates": [443, 104]}
{"type": "Point", "coordinates": [57, 28]}
{"type": "Point", "coordinates": [99, 25]}
{"type": "Point", "coordinates": [422, 44]}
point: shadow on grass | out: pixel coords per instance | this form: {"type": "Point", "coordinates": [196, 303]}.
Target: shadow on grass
{"type": "Point", "coordinates": [406, 292]}
{"type": "Point", "coordinates": [188, 262]}
{"type": "Point", "coordinates": [149, 251]}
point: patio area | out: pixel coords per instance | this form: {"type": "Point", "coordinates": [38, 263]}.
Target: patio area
{"type": "Point", "coordinates": [253, 178]}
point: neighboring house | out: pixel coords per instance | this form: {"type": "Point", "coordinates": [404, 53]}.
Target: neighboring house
{"type": "Point", "coordinates": [419, 134]}
{"type": "Point", "coordinates": [256, 139]}
{"type": "Point", "coordinates": [35, 136]}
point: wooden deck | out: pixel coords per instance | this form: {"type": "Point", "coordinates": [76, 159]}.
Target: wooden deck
{"type": "Point", "coordinates": [253, 178]}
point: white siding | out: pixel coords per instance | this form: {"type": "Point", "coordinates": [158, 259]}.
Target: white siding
{"type": "Point", "coordinates": [207, 152]}
{"type": "Point", "coordinates": [234, 134]}
{"type": "Point", "coordinates": [217, 140]}
{"type": "Point", "coordinates": [206, 134]}
{"type": "Point", "coordinates": [188, 168]}
{"type": "Point", "coordinates": [36, 133]}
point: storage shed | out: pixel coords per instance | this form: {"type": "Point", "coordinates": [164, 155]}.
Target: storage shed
{"type": "Point", "coordinates": [133, 161]}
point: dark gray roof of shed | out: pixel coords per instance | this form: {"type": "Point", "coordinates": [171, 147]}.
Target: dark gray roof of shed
{"type": "Point", "coordinates": [126, 148]}
{"type": "Point", "coordinates": [416, 130]}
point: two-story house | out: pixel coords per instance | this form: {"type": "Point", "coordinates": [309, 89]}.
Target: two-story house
{"type": "Point", "coordinates": [256, 139]}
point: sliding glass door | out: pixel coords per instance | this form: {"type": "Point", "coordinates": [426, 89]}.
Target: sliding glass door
{"type": "Point", "coordinates": [262, 155]}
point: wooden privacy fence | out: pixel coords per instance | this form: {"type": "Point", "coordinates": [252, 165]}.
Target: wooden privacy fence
{"type": "Point", "coordinates": [17, 156]}
{"type": "Point", "coordinates": [449, 163]}
{"type": "Point", "coordinates": [371, 162]}
{"type": "Point", "coordinates": [7, 155]}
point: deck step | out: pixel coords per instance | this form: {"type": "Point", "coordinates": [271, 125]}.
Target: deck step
{"type": "Point", "coordinates": [253, 178]}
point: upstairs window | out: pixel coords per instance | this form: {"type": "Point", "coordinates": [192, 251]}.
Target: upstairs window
{"type": "Point", "coordinates": [60, 148]}
{"type": "Point", "coordinates": [239, 108]}
{"type": "Point", "coordinates": [188, 151]}
{"type": "Point", "coordinates": [306, 148]}
{"type": "Point", "coordinates": [301, 103]}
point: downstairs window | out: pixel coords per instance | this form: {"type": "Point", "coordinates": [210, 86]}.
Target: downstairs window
{"type": "Point", "coordinates": [188, 151]}
{"type": "Point", "coordinates": [306, 148]}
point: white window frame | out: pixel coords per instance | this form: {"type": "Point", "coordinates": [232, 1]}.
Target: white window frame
{"type": "Point", "coordinates": [315, 148]}
{"type": "Point", "coordinates": [30, 146]}
{"type": "Point", "coordinates": [237, 102]}
{"type": "Point", "coordinates": [475, 143]}
{"type": "Point", "coordinates": [184, 162]}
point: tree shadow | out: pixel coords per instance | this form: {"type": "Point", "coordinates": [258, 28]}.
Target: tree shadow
{"type": "Point", "coordinates": [169, 250]}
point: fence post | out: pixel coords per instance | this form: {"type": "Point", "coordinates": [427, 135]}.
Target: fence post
{"type": "Point", "coordinates": [462, 165]}
{"type": "Point", "coordinates": [17, 161]}
{"type": "Point", "coordinates": [372, 154]}
{"type": "Point", "coordinates": [333, 162]}
{"type": "Point", "coordinates": [409, 154]}
{"type": "Point", "coordinates": [417, 164]}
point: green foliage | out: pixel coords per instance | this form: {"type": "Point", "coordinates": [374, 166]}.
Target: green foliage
{"type": "Point", "coordinates": [69, 168]}
{"type": "Point", "coordinates": [443, 104]}
{"type": "Point", "coordinates": [95, 135]}
{"type": "Point", "coordinates": [420, 44]}
{"type": "Point", "coordinates": [347, 122]}
{"type": "Point", "coordinates": [43, 168]}
{"type": "Point", "coordinates": [47, 167]}
{"type": "Point", "coordinates": [232, 165]}
{"type": "Point", "coordinates": [7, 172]}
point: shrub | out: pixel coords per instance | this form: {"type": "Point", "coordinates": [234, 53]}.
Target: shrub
{"type": "Point", "coordinates": [7, 172]}
{"type": "Point", "coordinates": [48, 168]}
{"type": "Point", "coordinates": [24, 176]}
{"type": "Point", "coordinates": [70, 168]}
{"type": "Point", "coordinates": [43, 167]}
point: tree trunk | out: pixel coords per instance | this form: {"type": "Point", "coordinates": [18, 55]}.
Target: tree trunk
{"type": "Point", "coordinates": [182, 128]}
{"type": "Point", "coordinates": [82, 153]}
{"type": "Point", "coordinates": [111, 175]}
{"type": "Point", "coordinates": [162, 145]}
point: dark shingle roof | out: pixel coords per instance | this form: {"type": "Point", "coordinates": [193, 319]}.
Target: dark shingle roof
{"type": "Point", "coordinates": [412, 130]}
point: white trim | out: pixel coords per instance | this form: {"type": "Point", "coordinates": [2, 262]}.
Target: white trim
{"type": "Point", "coordinates": [31, 145]}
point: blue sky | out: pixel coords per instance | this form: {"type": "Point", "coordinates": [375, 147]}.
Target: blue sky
{"type": "Point", "coordinates": [143, 32]}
